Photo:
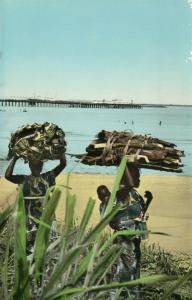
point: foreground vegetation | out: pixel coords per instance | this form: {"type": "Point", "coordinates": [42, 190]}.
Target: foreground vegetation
{"type": "Point", "coordinates": [155, 260]}
{"type": "Point", "coordinates": [77, 263]}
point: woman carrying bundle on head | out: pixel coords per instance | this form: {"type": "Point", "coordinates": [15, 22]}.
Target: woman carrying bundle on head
{"type": "Point", "coordinates": [35, 187]}
{"type": "Point", "coordinates": [132, 216]}
{"type": "Point", "coordinates": [35, 144]}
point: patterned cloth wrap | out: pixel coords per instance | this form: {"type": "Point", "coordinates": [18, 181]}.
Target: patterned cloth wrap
{"type": "Point", "coordinates": [128, 217]}
{"type": "Point", "coordinates": [37, 142]}
{"type": "Point", "coordinates": [34, 190]}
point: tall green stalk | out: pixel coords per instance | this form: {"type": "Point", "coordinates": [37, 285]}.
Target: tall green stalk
{"type": "Point", "coordinates": [118, 178]}
{"type": "Point", "coordinates": [21, 289]}
{"type": "Point", "coordinates": [43, 232]}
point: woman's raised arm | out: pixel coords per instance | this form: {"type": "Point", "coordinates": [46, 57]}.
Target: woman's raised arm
{"type": "Point", "coordinates": [9, 172]}
{"type": "Point", "coordinates": [57, 170]}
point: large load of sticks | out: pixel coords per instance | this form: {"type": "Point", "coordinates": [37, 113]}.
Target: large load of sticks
{"type": "Point", "coordinates": [37, 142]}
{"type": "Point", "coordinates": [144, 150]}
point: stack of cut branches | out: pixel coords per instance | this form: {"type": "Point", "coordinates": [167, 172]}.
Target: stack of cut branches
{"type": "Point", "coordinates": [38, 142]}
{"type": "Point", "coordinates": [148, 152]}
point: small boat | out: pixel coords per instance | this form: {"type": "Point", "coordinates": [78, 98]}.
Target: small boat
{"type": "Point", "coordinates": [24, 110]}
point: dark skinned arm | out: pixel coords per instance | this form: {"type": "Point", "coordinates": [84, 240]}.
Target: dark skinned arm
{"type": "Point", "coordinates": [58, 169]}
{"type": "Point", "coordinates": [149, 196]}
{"type": "Point", "coordinates": [18, 179]}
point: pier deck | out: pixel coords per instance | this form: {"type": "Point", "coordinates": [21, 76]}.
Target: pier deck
{"type": "Point", "coordinates": [57, 103]}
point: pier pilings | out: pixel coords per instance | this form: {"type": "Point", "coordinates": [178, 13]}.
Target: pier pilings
{"type": "Point", "coordinates": [73, 104]}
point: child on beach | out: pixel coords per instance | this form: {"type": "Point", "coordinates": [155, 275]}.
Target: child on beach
{"type": "Point", "coordinates": [103, 195]}
{"type": "Point", "coordinates": [34, 190]}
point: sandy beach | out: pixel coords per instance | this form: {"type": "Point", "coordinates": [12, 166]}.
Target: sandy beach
{"type": "Point", "coordinates": [170, 212]}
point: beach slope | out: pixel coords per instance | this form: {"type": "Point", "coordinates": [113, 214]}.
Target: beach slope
{"type": "Point", "coordinates": [170, 210]}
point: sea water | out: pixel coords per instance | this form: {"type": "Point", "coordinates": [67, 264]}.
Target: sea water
{"type": "Point", "coordinates": [81, 125]}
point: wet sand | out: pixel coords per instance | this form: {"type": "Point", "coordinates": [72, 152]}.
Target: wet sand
{"type": "Point", "coordinates": [170, 210]}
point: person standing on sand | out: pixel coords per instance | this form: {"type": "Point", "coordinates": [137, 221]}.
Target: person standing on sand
{"type": "Point", "coordinates": [34, 189]}
{"type": "Point", "coordinates": [130, 216]}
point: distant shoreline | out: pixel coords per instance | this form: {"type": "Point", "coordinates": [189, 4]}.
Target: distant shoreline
{"type": "Point", "coordinates": [166, 105]}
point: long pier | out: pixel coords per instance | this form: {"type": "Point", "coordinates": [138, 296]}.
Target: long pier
{"type": "Point", "coordinates": [64, 103]}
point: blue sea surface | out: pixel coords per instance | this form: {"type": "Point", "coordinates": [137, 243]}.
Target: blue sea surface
{"type": "Point", "coordinates": [81, 125]}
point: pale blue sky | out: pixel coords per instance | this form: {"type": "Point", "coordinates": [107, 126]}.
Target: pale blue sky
{"type": "Point", "coordinates": [95, 49]}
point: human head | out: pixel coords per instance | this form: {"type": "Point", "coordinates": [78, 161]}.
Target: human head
{"type": "Point", "coordinates": [103, 193]}
{"type": "Point", "coordinates": [36, 167]}
{"type": "Point", "coordinates": [131, 176]}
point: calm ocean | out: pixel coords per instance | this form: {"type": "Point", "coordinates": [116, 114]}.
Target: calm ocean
{"type": "Point", "coordinates": [81, 125]}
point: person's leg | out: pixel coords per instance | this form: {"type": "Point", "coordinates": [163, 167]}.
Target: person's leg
{"type": "Point", "coordinates": [125, 268]}
{"type": "Point", "coordinates": [128, 261]}
{"type": "Point", "coordinates": [137, 243]}
{"type": "Point", "coordinates": [128, 265]}
{"type": "Point", "coordinates": [33, 209]}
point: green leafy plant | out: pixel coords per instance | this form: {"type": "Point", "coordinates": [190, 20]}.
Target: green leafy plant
{"type": "Point", "coordinates": [75, 265]}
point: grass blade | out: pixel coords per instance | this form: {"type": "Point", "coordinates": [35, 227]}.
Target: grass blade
{"type": "Point", "coordinates": [102, 224]}
{"type": "Point", "coordinates": [117, 294]}
{"type": "Point", "coordinates": [21, 290]}
{"type": "Point", "coordinates": [4, 215]}
{"type": "Point", "coordinates": [128, 232]}
{"type": "Point", "coordinates": [176, 285]}
{"type": "Point", "coordinates": [116, 184]}
{"type": "Point", "coordinates": [105, 264]}
{"type": "Point", "coordinates": [69, 219]}
{"type": "Point", "coordinates": [82, 267]}
{"type": "Point", "coordinates": [92, 261]}
{"type": "Point", "coordinates": [63, 266]}
{"type": "Point", "coordinates": [42, 237]}
{"type": "Point", "coordinates": [40, 222]}
{"type": "Point", "coordinates": [148, 280]}
{"type": "Point", "coordinates": [96, 234]}
{"type": "Point", "coordinates": [85, 219]}
{"type": "Point", "coordinates": [4, 269]}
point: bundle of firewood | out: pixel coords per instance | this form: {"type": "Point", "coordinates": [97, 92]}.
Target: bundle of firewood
{"type": "Point", "coordinates": [144, 150]}
{"type": "Point", "coordinates": [37, 142]}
